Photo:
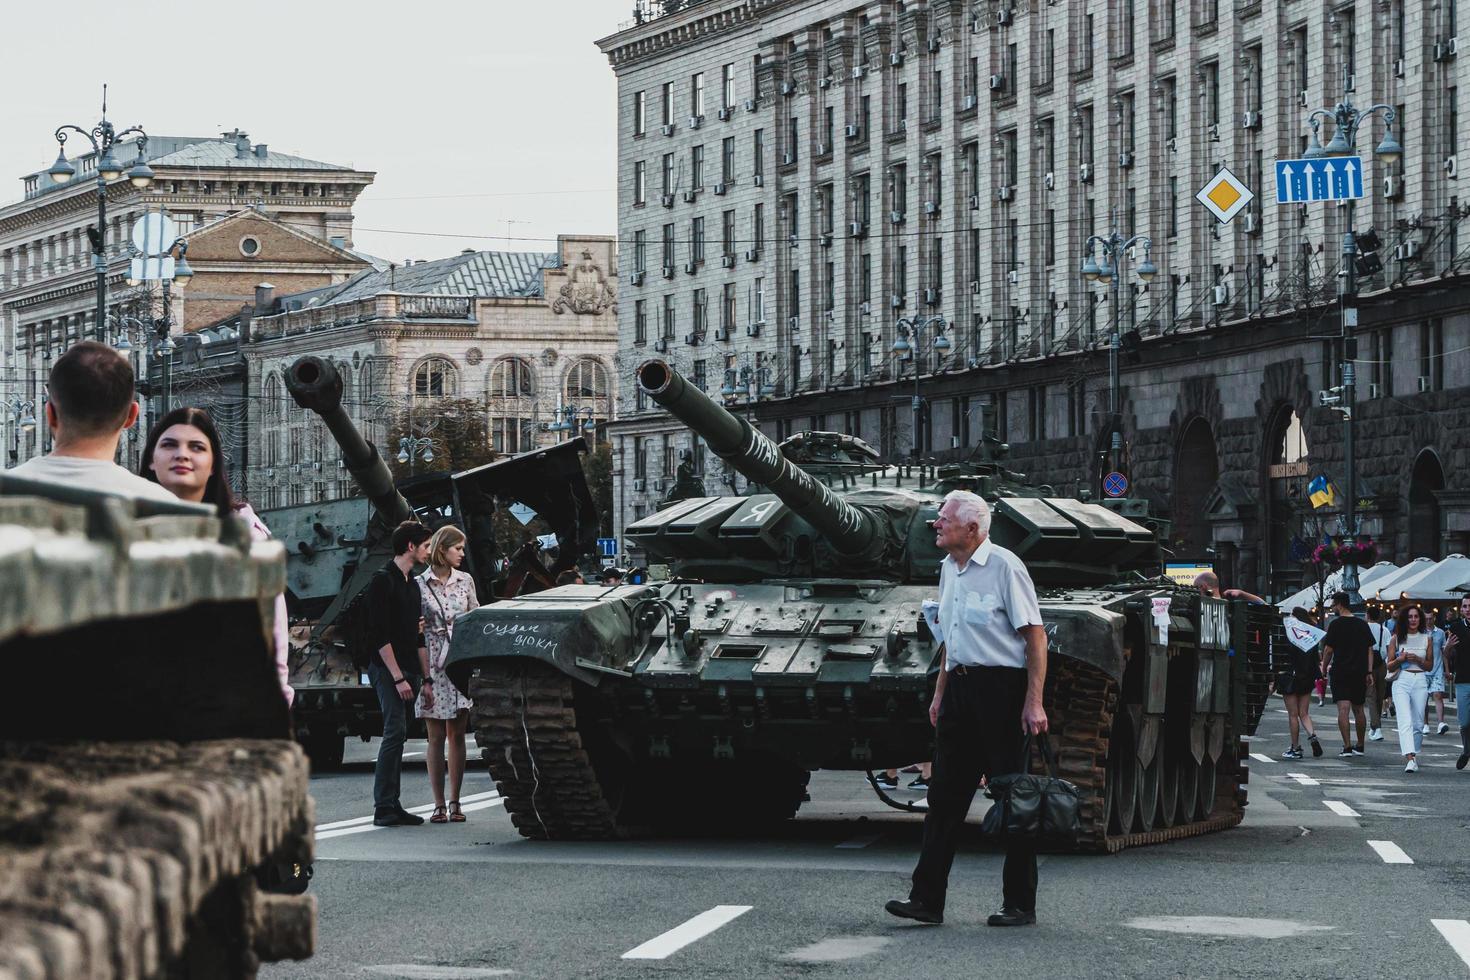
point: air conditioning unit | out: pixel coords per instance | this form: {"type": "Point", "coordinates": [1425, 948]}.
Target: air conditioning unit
{"type": "Point", "coordinates": [668, 129]}
{"type": "Point", "coordinates": [1004, 192]}
{"type": "Point", "coordinates": [693, 339]}
{"type": "Point", "coordinates": [787, 159]}
{"type": "Point", "coordinates": [931, 296]}
{"type": "Point", "coordinates": [788, 89]}
{"type": "Point", "coordinates": [1306, 98]}
{"type": "Point", "coordinates": [857, 71]}
{"type": "Point", "coordinates": [969, 103]}
{"type": "Point", "coordinates": [759, 180]}
{"type": "Point", "coordinates": [895, 217]}
{"type": "Point", "coordinates": [691, 196]}
{"type": "Point", "coordinates": [636, 279]}
{"type": "Point", "coordinates": [903, 126]}
{"type": "Point", "coordinates": [721, 333]}
{"type": "Point", "coordinates": [1406, 251]}
{"type": "Point", "coordinates": [750, 105]}
{"type": "Point", "coordinates": [825, 239]}
{"type": "Point", "coordinates": [753, 329]}
{"type": "Point", "coordinates": [1393, 187]}
{"type": "Point", "coordinates": [661, 344]}
{"type": "Point", "coordinates": [668, 200]}
{"type": "Point", "coordinates": [695, 121]}
{"type": "Point", "coordinates": [724, 114]}
{"type": "Point", "coordinates": [1350, 83]}
{"type": "Point", "coordinates": [934, 45]}
{"type": "Point", "coordinates": [720, 190]}
{"type": "Point", "coordinates": [865, 308]}
{"type": "Point", "coordinates": [975, 286]}
{"type": "Point", "coordinates": [1398, 68]}
{"type": "Point", "coordinates": [1375, 390]}
{"type": "Point", "coordinates": [1084, 173]}
{"type": "Point", "coordinates": [895, 301]}
{"type": "Point", "coordinates": [1446, 48]}
{"type": "Point", "coordinates": [668, 272]}
{"type": "Point", "coordinates": [857, 229]}
{"type": "Point", "coordinates": [1214, 132]}
{"type": "Point", "coordinates": [997, 83]}
{"type": "Point", "coordinates": [853, 131]}
{"type": "Point", "coordinates": [931, 208]}
{"type": "Point", "coordinates": [1252, 223]}
{"type": "Point", "coordinates": [728, 260]}
{"type": "Point", "coordinates": [1172, 144]}
{"type": "Point", "coordinates": [824, 82]}
{"type": "Point", "coordinates": [896, 58]}
{"type": "Point", "coordinates": [752, 255]}
{"type": "Point", "coordinates": [831, 315]}
{"type": "Point", "coordinates": [792, 240]}
{"type": "Point", "coordinates": [793, 322]}
{"type": "Point", "coordinates": [1125, 160]}
{"type": "Point", "coordinates": [639, 484]}
{"type": "Point", "coordinates": [1250, 119]}
{"type": "Point", "coordinates": [658, 484]}
{"type": "Point", "coordinates": [1451, 167]}
{"type": "Point", "coordinates": [1050, 180]}
{"type": "Point", "coordinates": [1424, 383]}
{"type": "Point", "coordinates": [823, 149]}
{"type": "Point", "coordinates": [1003, 16]}
{"type": "Point", "coordinates": [1013, 277]}
{"type": "Point", "coordinates": [974, 202]}
{"type": "Point", "coordinates": [1221, 295]}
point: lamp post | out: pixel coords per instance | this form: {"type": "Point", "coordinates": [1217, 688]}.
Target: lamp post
{"type": "Point", "coordinates": [908, 350]}
{"type": "Point", "coordinates": [1346, 119]}
{"type": "Point", "coordinates": [1114, 247]}
{"type": "Point", "coordinates": [159, 328]}
{"type": "Point", "coordinates": [22, 419]}
{"type": "Point", "coordinates": [411, 449]}
{"type": "Point", "coordinates": [567, 420]}
{"type": "Point", "coordinates": [103, 137]}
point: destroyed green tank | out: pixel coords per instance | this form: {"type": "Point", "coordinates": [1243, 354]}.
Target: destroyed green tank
{"type": "Point", "coordinates": [789, 638]}
{"type": "Point", "coordinates": [150, 817]}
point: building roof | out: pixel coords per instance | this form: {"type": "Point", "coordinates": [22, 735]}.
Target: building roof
{"type": "Point", "coordinates": [223, 154]}
{"type": "Point", "coordinates": [491, 275]}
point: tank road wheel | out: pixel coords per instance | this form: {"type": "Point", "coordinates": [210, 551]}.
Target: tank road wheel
{"type": "Point", "coordinates": [1122, 776]}
{"type": "Point", "coordinates": [1168, 788]}
{"type": "Point", "coordinates": [1187, 771]}
{"type": "Point", "coordinates": [1205, 796]}
{"type": "Point", "coordinates": [325, 751]}
{"type": "Point", "coordinates": [1148, 790]}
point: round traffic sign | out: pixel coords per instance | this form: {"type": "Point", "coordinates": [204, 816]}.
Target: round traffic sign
{"type": "Point", "coordinates": [1115, 484]}
{"type": "Point", "coordinates": [154, 233]}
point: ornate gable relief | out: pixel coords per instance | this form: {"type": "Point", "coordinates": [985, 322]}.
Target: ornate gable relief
{"type": "Point", "coordinates": [587, 291]}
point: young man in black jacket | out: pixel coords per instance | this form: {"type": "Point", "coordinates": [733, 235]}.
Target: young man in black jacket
{"type": "Point", "coordinates": [393, 610]}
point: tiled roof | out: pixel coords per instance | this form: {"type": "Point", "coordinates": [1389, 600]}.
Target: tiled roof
{"type": "Point", "coordinates": [483, 274]}
{"type": "Point", "coordinates": [223, 154]}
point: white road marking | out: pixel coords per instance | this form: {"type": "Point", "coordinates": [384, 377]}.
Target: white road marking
{"type": "Point", "coordinates": [1261, 758]}
{"type": "Point", "coordinates": [1340, 808]}
{"type": "Point", "coordinates": [1225, 925]}
{"type": "Point", "coordinates": [426, 808]}
{"type": "Point", "coordinates": [1390, 852]}
{"type": "Point", "coordinates": [411, 755]}
{"type": "Point", "coordinates": [425, 971]}
{"type": "Point", "coordinates": [1303, 778]}
{"type": "Point", "coordinates": [364, 828]}
{"type": "Point", "coordinates": [662, 946]}
{"type": "Point", "coordinates": [838, 948]}
{"type": "Point", "coordinates": [857, 842]}
{"type": "Point", "coordinates": [1456, 932]}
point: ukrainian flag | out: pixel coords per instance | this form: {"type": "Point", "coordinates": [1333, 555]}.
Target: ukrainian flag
{"type": "Point", "coordinates": [1321, 492]}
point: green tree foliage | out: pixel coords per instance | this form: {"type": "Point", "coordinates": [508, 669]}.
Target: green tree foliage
{"type": "Point", "coordinates": [457, 428]}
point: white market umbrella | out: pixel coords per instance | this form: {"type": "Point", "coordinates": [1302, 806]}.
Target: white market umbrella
{"type": "Point", "coordinates": [1444, 580]}
{"type": "Point", "coordinates": [1387, 588]}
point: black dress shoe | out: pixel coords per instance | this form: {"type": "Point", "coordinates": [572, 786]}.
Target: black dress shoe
{"type": "Point", "coordinates": [917, 911]}
{"type": "Point", "coordinates": [406, 819]}
{"type": "Point", "coordinates": [396, 818]}
{"type": "Point", "coordinates": [1011, 917]}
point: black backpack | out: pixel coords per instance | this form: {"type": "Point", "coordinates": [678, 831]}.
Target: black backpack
{"type": "Point", "coordinates": [352, 626]}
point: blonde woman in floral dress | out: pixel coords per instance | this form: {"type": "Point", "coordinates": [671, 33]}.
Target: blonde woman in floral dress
{"type": "Point", "coordinates": [447, 593]}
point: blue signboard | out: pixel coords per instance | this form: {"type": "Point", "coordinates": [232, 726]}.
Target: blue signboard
{"type": "Point", "coordinates": [1115, 485]}
{"type": "Point", "coordinates": [1321, 179]}
{"type": "Point", "coordinates": [607, 547]}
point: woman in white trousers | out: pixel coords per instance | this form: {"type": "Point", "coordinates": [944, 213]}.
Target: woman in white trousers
{"type": "Point", "coordinates": [1412, 655]}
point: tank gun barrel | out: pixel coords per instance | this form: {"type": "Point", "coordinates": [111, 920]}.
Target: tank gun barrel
{"type": "Point", "coordinates": [846, 528]}
{"type": "Point", "coordinates": [315, 385]}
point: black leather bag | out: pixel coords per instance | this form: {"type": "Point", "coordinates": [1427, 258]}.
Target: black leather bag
{"type": "Point", "coordinates": [1042, 810]}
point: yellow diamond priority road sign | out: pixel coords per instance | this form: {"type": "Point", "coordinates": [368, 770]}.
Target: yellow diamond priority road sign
{"type": "Point", "coordinates": [1225, 195]}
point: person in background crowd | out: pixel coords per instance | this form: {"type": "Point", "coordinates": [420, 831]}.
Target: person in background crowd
{"type": "Point", "coordinates": [394, 608]}
{"type": "Point", "coordinates": [90, 403]}
{"type": "Point", "coordinates": [1347, 659]}
{"type": "Point", "coordinates": [1436, 676]}
{"type": "Point", "coordinates": [1208, 583]}
{"type": "Point", "coordinates": [1295, 683]}
{"type": "Point", "coordinates": [1412, 655]}
{"type": "Point", "coordinates": [1458, 640]}
{"type": "Point", "coordinates": [1378, 690]}
{"type": "Point", "coordinates": [611, 576]}
{"type": "Point", "coordinates": [183, 456]}
{"type": "Point", "coordinates": [570, 577]}
{"type": "Point", "coordinates": [448, 593]}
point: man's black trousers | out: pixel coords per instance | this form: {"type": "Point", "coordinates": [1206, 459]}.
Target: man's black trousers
{"type": "Point", "coordinates": [979, 733]}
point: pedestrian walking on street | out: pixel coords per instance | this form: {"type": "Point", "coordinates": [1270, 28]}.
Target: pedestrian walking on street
{"type": "Point", "coordinates": [1410, 657]}
{"type": "Point", "coordinates": [987, 700]}
{"type": "Point", "coordinates": [448, 593]}
{"type": "Point", "coordinates": [1457, 641]}
{"type": "Point", "coordinates": [1378, 690]}
{"type": "Point", "coordinates": [1436, 677]}
{"type": "Point", "coordinates": [1347, 660]}
{"type": "Point", "coordinates": [1296, 679]}
{"type": "Point", "coordinates": [183, 456]}
{"type": "Point", "coordinates": [393, 607]}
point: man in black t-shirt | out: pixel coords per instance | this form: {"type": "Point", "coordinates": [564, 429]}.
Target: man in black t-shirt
{"type": "Point", "coordinates": [1456, 645]}
{"type": "Point", "coordinates": [1347, 663]}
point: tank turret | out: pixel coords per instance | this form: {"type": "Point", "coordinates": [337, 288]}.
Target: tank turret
{"type": "Point", "coordinates": [315, 385]}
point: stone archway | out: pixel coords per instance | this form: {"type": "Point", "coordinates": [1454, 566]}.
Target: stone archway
{"type": "Point", "coordinates": [1196, 471]}
{"type": "Point", "coordinates": [1426, 479]}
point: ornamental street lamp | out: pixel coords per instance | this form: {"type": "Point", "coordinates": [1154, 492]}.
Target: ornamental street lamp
{"type": "Point", "coordinates": [567, 422]}
{"type": "Point", "coordinates": [1346, 120]}
{"type": "Point", "coordinates": [104, 137]}
{"type": "Point", "coordinates": [411, 449]}
{"type": "Point", "coordinates": [22, 419]}
{"type": "Point", "coordinates": [907, 345]}
{"type": "Point", "coordinates": [1114, 248]}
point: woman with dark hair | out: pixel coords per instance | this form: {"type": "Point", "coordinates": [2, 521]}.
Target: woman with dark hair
{"type": "Point", "coordinates": [1296, 677]}
{"type": "Point", "coordinates": [183, 456]}
{"type": "Point", "coordinates": [1410, 658]}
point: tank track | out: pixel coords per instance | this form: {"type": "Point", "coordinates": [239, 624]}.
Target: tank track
{"type": "Point", "coordinates": [1081, 732]}
{"type": "Point", "coordinates": [526, 727]}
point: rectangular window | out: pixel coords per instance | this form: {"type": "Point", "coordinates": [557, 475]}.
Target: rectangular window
{"type": "Point", "coordinates": [1212, 93]}
{"type": "Point", "coordinates": [1049, 237]}
{"type": "Point", "coordinates": [829, 124]}
{"type": "Point", "coordinates": [865, 117]}
{"type": "Point", "coordinates": [727, 232]}
{"type": "Point", "coordinates": [901, 271]}
{"type": "Point", "coordinates": [666, 103]}
{"type": "Point", "coordinates": [668, 324]}
{"type": "Point", "coordinates": [727, 86]}
{"type": "Point", "coordinates": [640, 251]}
{"type": "Point", "coordinates": [696, 240]}
{"type": "Point", "coordinates": [865, 278]}
{"type": "Point", "coordinates": [791, 135]}
{"type": "Point", "coordinates": [696, 95]}
{"type": "Point", "coordinates": [1037, 412]}
{"type": "Point", "coordinates": [701, 374]}
{"type": "Point", "coordinates": [668, 174]}
{"type": "Point", "coordinates": [727, 308]}
{"type": "Point", "coordinates": [794, 288]}
{"type": "Point", "coordinates": [902, 105]}
{"type": "Point", "coordinates": [936, 86]}
{"type": "Point", "coordinates": [640, 113]}
{"type": "Point", "coordinates": [1173, 220]}
{"type": "Point", "coordinates": [1431, 355]}
{"type": "Point", "coordinates": [829, 287]}
{"type": "Point", "coordinates": [727, 160]}
{"type": "Point", "coordinates": [696, 167]}
{"type": "Point", "coordinates": [700, 312]}
{"type": "Point", "coordinates": [668, 246]}
{"type": "Point", "coordinates": [640, 321]}
{"type": "Point", "coordinates": [898, 187]}
{"type": "Point", "coordinates": [640, 184]}
{"type": "Point", "coordinates": [795, 365]}
{"type": "Point", "coordinates": [759, 230]}
{"type": "Point", "coordinates": [757, 302]}
{"type": "Point", "coordinates": [1088, 32]}
{"type": "Point", "coordinates": [1048, 57]}
{"type": "Point", "coordinates": [758, 153]}
{"type": "Point", "coordinates": [861, 188]}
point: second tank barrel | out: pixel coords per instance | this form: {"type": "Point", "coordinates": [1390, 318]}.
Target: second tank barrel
{"type": "Point", "coordinates": [846, 528]}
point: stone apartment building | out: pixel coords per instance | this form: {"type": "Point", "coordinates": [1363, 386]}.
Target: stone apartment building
{"type": "Point", "coordinates": [801, 180]}
{"type": "Point", "coordinates": [47, 282]}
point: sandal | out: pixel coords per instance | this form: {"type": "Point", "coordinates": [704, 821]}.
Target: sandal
{"type": "Point", "coordinates": [439, 816]}
{"type": "Point", "coordinates": [456, 815]}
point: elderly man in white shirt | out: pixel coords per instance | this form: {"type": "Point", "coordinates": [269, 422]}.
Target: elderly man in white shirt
{"type": "Point", "coordinates": [986, 701]}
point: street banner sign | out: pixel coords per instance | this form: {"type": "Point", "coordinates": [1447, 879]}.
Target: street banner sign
{"type": "Point", "coordinates": [607, 547]}
{"type": "Point", "coordinates": [1115, 484]}
{"type": "Point", "coordinates": [1321, 179]}
{"type": "Point", "coordinates": [1185, 572]}
{"type": "Point", "coordinates": [1225, 195]}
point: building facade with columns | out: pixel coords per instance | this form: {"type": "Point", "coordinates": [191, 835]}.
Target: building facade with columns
{"type": "Point", "coordinates": [47, 280]}
{"type": "Point", "coordinates": [531, 335]}
{"type": "Point", "coordinates": [801, 180]}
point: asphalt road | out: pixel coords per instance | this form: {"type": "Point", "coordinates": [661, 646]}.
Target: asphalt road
{"type": "Point", "coordinates": [1297, 890]}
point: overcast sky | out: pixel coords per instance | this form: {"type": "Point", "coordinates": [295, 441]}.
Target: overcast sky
{"type": "Point", "coordinates": [491, 118]}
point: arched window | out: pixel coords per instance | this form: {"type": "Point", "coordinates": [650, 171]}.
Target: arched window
{"type": "Point", "coordinates": [433, 378]}
{"type": "Point", "coordinates": [510, 405]}
{"type": "Point", "coordinates": [271, 411]}
{"type": "Point", "coordinates": [588, 391]}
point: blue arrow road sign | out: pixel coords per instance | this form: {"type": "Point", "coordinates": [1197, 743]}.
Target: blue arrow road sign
{"type": "Point", "coordinates": [1322, 179]}
{"type": "Point", "coordinates": [607, 547]}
